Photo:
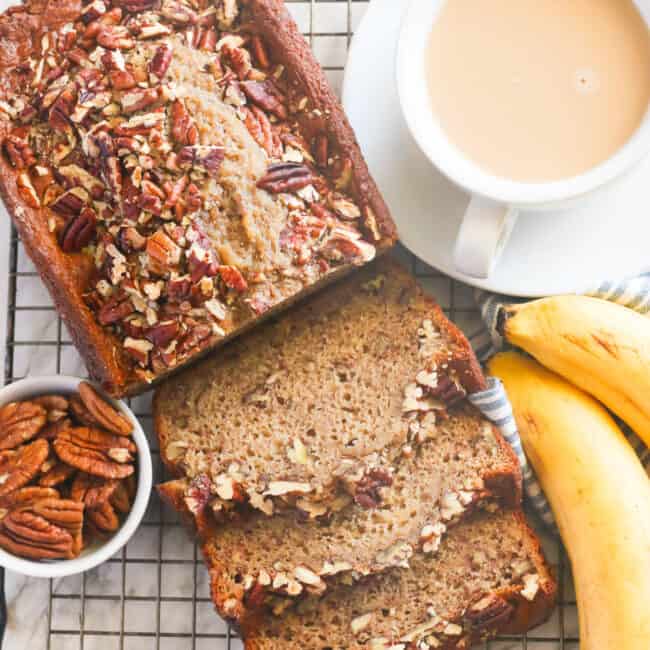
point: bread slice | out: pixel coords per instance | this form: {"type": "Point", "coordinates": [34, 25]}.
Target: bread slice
{"type": "Point", "coordinates": [488, 577]}
{"type": "Point", "coordinates": [314, 410]}
{"type": "Point", "coordinates": [258, 561]}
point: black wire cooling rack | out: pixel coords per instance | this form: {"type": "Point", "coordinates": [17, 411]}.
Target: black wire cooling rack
{"type": "Point", "coordinates": [153, 595]}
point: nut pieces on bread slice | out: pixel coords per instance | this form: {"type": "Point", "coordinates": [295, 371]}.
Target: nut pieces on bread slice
{"type": "Point", "coordinates": [488, 577]}
{"type": "Point", "coordinates": [260, 562]}
{"type": "Point", "coordinates": [314, 411]}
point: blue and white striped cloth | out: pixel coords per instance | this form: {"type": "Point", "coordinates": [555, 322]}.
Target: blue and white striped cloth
{"type": "Point", "coordinates": [633, 293]}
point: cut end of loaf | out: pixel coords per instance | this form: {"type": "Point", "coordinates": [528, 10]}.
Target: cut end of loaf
{"type": "Point", "coordinates": [488, 577]}
{"type": "Point", "coordinates": [313, 410]}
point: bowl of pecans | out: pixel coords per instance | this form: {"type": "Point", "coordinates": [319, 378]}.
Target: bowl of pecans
{"type": "Point", "coordinates": [75, 476]}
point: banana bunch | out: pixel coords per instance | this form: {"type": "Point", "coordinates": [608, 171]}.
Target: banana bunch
{"type": "Point", "coordinates": [597, 487]}
{"type": "Point", "coordinates": [602, 347]}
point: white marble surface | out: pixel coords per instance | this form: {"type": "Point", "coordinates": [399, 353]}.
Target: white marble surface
{"type": "Point", "coordinates": [154, 594]}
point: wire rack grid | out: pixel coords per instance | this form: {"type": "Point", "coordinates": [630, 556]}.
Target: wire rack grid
{"type": "Point", "coordinates": [153, 595]}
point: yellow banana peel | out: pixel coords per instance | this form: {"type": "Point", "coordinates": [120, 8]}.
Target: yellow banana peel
{"type": "Point", "coordinates": [602, 347]}
{"type": "Point", "coordinates": [600, 496]}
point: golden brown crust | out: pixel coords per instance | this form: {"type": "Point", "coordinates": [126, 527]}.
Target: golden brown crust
{"type": "Point", "coordinates": [66, 275]}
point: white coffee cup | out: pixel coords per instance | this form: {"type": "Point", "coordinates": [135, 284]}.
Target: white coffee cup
{"type": "Point", "coordinates": [495, 202]}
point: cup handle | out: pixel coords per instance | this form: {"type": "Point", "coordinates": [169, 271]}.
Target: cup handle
{"type": "Point", "coordinates": [483, 234]}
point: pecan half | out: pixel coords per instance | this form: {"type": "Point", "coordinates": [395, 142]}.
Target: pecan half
{"type": "Point", "coordinates": [20, 422]}
{"type": "Point", "coordinates": [19, 467]}
{"type": "Point", "coordinates": [19, 152]}
{"type": "Point", "coordinates": [26, 496]}
{"type": "Point", "coordinates": [183, 129]}
{"type": "Point", "coordinates": [96, 452]}
{"type": "Point", "coordinates": [285, 177]}
{"type": "Point", "coordinates": [93, 491]}
{"type": "Point", "coordinates": [64, 513]}
{"type": "Point", "coordinates": [266, 95]}
{"type": "Point", "coordinates": [104, 517]}
{"type": "Point", "coordinates": [259, 127]}
{"type": "Point", "coordinates": [51, 431]}
{"type": "Point", "coordinates": [52, 403]}
{"type": "Point", "coordinates": [79, 231]}
{"type": "Point", "coordinates": [28, 535]}
{"type": "Point", "coordinates": [56, 475]}
{"type": "Point", "coordinates": [81, 414]}
{"type": "Point", "coordinates": [122, 498]}
{"type": "Point", "coordinates": [103, 412]}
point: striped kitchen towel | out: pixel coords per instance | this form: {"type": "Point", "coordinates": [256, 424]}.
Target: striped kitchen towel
{"type": "Point", "coordinates": [633, 293]}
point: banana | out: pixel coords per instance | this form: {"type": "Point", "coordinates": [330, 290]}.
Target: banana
{"type": "Point", "coordinates": [600, 496]}
{"type": "Point", "coordinates": [602, 347]}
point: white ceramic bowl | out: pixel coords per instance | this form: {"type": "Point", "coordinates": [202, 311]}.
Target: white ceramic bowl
{"type": "Point", "coordinates": [95, 554]}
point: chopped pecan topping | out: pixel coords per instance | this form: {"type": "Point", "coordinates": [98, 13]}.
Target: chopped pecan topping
{"type": "Point", "coordinates": [115, 37]}
{"type": "Point", "coordinates": [115, 310]}
{"type": "Point", "coordinates": [203, 157]}
{"type": "Point", "coordinates": [448, 389]}
{"type": "Point", "coordinates": [161, 60]}
{"type": "Point", "coordinates": [266, 95]}
{"type": "Point", "coordinates": [233, 278]}
{"type": "Point", "coordinates": [184, 130]}
{"type": "Point", "coordinates": [259, 52]}
{"type": "Point", "coordinates": [27, 191]}
{"type": "Point", "coordinates": [122, 79]}
{"type": "Point", "coordinates": [70, 203]}
{"type": "Point", "coordinates": [367, 493]}
{"type": "Point", "coordinates": [138, 99]}
{"type": "Point", "coordinates": [162, 250]}
{"type": "Point", "coordinates": [111, 146]}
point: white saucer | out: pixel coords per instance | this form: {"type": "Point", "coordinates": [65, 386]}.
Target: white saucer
{"type": "Point", "coordinates": [558, 252]}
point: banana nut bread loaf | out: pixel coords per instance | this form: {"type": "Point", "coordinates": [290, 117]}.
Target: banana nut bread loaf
{"type": "Point", "coordinates": [312, 411]}
{"type": "Point", "coordinates": [256, 561]}
{"type": "Point", "coordinates": [176, 170]}
{"type": "Point", "coordinates": [488, 577]}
